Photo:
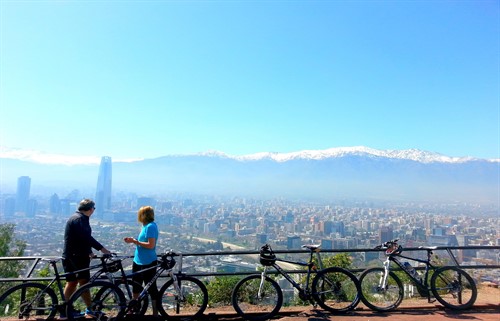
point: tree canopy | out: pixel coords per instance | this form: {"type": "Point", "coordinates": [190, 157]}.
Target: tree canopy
{"type": "Point", "coordinates": [10, 246]}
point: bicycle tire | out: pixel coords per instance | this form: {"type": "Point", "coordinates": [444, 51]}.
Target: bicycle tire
{"type": "Point", "coordinates": [453, 288]}
{"type": "Point", "coordinates": [193, 301]}
{"type": "Point", "coordinates": [336, 290]}
{"type": "Point", "coordinates": [249, 305]}
{"type": "Point", "coordinates": [143, 304]}
{"type": "Point", "coordinates": [44, 308]}
{"type": "Point", "coordinates": [106, 299]}
{"type": "Point", "coordinates": [376, 298]}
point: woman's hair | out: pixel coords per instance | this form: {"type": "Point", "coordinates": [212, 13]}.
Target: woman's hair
{"type": "Point", "coordinates": [146, 215]}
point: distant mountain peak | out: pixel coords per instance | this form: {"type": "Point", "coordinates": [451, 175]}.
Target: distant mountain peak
{"type": "Point", "coordinates": [408, 154]}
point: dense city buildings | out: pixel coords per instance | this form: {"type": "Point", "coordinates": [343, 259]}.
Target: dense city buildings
{"type": "Point", "coordinates": [209, 223]}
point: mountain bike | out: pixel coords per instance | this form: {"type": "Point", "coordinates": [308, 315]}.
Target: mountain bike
{"type": "Point", "coordinates": [39, 300]}
{"type": "Point", "coordinates": [181, 295]}
{"type": "Point", "coordinates": [111, 264]}
{"type": "Point", "coordinates": [382, 290]}
{"type": "Point", "coordinates": [259, 297]}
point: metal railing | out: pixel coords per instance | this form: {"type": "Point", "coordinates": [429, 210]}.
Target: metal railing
{"type": "Point", "coordinates": [28, 275]}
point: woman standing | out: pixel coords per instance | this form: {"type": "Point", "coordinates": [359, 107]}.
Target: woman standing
{"type": "Point", "coordinates": [145, 254]}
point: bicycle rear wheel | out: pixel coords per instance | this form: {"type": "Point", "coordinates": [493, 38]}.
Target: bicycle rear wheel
{"type": "Point", "coordinates": [190, 301]}
{"type": "Point", "coordinates": [107, 301]}
{"type": "Point", "coordinates": [453, 288]}
{"type": "Point", "coordinates": [378, 296]}
{"type": "Point", "coordinates": [336, 290]}
{"type": "Point", "coordinates": [254, 300]}
{"type": "Point", "coordinates": [27, 301]}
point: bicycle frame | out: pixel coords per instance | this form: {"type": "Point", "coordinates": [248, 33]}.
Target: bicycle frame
{"type": "Point", "coordinates": [310, 268]}
{"type": "Point", "coordinates": [58, 280]}
{"type": "Point", "coordinates": [159, 272]}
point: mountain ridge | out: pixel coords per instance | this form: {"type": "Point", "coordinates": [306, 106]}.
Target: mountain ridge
{"type": "Point", "coordinates": [410, 154]}
{"type": "Point", "coordinates": [334, 173]}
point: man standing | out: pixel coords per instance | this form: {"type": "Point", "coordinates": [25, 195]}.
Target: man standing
{"type": "Point", "coordinates": [78, 244]}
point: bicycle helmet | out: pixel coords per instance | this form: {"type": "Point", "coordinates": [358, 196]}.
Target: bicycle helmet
{"type": "Point", "coordinates": [393, 249]}
{"type": "Point", "coordinates": [267, 257]}
{"type": "Point", "coordinates": [167, 261]}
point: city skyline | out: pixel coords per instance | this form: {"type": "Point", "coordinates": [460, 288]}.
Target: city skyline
{"type": "Point", "coordinates": [146, 79]}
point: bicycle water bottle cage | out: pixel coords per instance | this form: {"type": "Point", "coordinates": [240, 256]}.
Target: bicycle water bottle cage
{"type": "Point", "coordinates": [267, 257]}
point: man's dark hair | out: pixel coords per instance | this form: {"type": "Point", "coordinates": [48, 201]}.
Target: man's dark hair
{"type": "Point", "coordinates": [86, 205]}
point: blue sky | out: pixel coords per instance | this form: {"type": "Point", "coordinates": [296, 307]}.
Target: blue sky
{"type": "Point", "coordinates": [150, 78]}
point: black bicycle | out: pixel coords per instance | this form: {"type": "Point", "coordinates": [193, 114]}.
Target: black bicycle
{"type": "Point", "coordinates": [259, 297]}
{"type": "Point", "coordinates": [39, 300]}
{"type": "Point", "coordinates": [181, 295]}
{"type": "Point", "coordinates": [382, 290]}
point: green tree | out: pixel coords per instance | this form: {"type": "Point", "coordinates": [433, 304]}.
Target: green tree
{"type": "Point", "coordinates": [220, 289]}
{"type": "Point", "coordinates": [342, 260]}
{"type": "Point", "coordinates": [10, 246]}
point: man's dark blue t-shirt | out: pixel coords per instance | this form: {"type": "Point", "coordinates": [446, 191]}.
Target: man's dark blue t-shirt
{"type": "Point", "coordinates": [78, 240]}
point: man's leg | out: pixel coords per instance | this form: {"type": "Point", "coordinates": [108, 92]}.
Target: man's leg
{"type": "Point", "coordinates": [69, 289]}
{"type": "Point", "coordinates": [85, 295]}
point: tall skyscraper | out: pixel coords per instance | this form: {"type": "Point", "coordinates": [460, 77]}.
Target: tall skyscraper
{"type": "Point", "coordinates": [23, 193]}
{"type": "Point", "coordinates": [103, 190]}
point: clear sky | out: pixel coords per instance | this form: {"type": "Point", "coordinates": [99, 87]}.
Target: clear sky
{"type": "Point", "coordinates": [145, 79]}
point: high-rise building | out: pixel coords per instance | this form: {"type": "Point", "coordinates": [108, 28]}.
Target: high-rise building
{"type": "Point", "coordinates": [293, 242]}
{"type": "Point", "coordinates": [103, 190]}
{"type": "Point", "coordinates": [386, 234]}
{"type": "Point", "coordinates": [23, 193]}
{"type": "Point", "coordinates": [55, 204]}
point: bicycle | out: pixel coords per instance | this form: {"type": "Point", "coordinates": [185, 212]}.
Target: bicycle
{"type": "Point", "coordinates": [112, 263]}
{"type": "Point", "coordinates": [382, 290]}
{"type": "Point", "coordinates": [259, 297]}
{"type": "Point", "coordinates": [182, 294]}
{"type": "Point", "coordinates": [39, 299]}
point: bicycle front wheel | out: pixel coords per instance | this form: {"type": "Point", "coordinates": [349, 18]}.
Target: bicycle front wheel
{"type": "Point", "coordinates": [376, 294]}
{"type": "Point", "coordinates": [336, 290]}
{"type": "Point", "coordinates": [453, 288]}
{"type": "Point", "coordinates": [188, 297]}
{"type": "Point", "coordinates": [257, 299]}
{"type": "Point", "coordinates": [104, 299]}
{"type": "Point", "coordinates": [27, 301]}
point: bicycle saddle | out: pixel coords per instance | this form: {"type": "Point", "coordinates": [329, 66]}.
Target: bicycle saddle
{"type": "Point", "coordinates": [312, 247]}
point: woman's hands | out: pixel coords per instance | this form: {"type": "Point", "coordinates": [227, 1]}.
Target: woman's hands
{"type": "Point", "coordinates": [130, 240]}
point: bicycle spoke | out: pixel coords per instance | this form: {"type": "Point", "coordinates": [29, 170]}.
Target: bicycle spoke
{"type": "Point", "coordinates": [254, 301]}
{"type": "Point", "coordinates": [27, 301]}
{"type": "Point", "coordinates": [106, 300]}
{"type": "Point", "coordinates": [336, 290]}
{"type": "Point", "coordinates": [188, 298]}
{"type": "Point", "coordinates": [454, 288]}
{"type": "Point", "coordinates": [378, 296]}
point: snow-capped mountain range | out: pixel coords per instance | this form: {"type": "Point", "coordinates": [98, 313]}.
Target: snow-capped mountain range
{"type": "Point", "coordinates": [347, 172]}
{"type": "Point", "coordinates": [408, 154]}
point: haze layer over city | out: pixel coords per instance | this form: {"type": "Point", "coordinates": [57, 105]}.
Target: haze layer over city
{"type": "Point", "coordinates": [247, 221]}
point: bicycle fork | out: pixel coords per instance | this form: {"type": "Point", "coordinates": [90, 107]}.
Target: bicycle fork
{"type": "Point", "coordinates": [179, 295]}
{"type": "Point", "coordinates": [382, 283]}
{"type": "Point", "coordinates": [261, 285]}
